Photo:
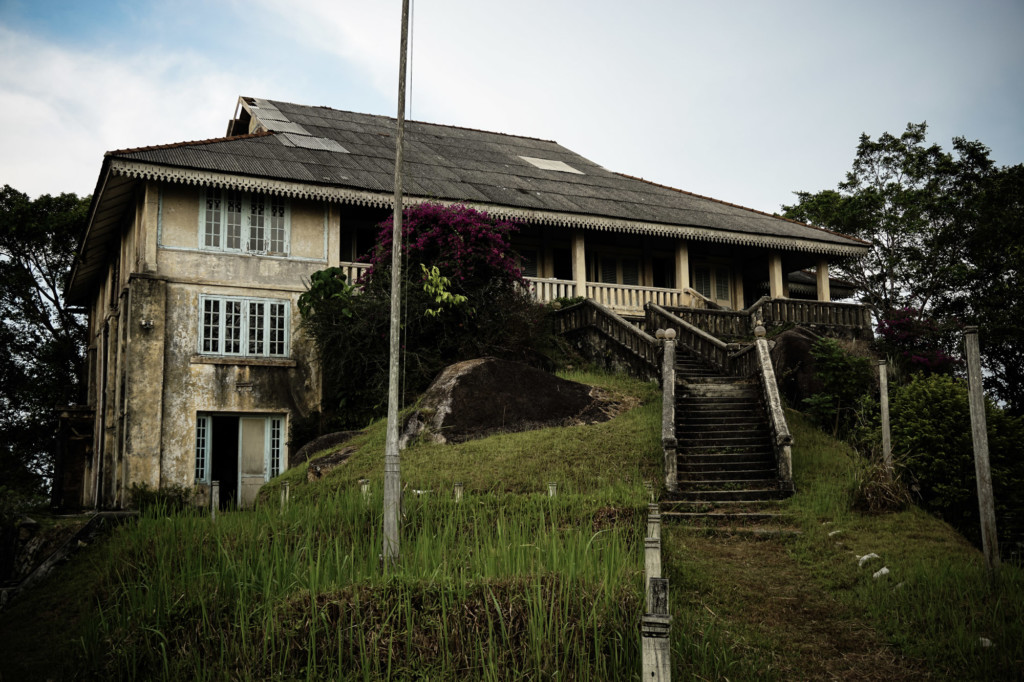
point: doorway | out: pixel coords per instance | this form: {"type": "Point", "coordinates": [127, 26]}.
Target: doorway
{"type": "Point", "coordinates": [240, 451]}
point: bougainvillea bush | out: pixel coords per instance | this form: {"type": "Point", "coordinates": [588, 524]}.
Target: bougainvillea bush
{"type": "Point", "coordinates": [917, 342]}
{"type": "Point", "coordinates": [463, 296]}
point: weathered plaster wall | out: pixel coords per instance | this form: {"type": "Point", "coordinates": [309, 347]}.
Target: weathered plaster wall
{"type": "Point", "coordinates": [194, 383]}
{"type": "Point", "coordinates": [179, 224]}
{"type": "Point", "coordinates": [143, 391]}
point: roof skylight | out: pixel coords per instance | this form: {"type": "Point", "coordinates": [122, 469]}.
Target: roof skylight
{"type": "Point", "coordinates": [551, 164]}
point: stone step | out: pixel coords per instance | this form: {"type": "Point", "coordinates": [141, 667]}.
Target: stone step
{"type": "Point", "coordinates": [737, 495]}
{"type": "Point", "coordinates": [724, 438]}
{"type": "Point", "coordinates": [712, 467]}
{"type": "Point", "coordinates": [717, 458]}
{"type": "Point", "coordinates": [726, 475]}
{"type": "Point", "coordinates": [748, 450]}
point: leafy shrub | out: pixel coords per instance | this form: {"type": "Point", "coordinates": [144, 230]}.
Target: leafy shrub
{"type": "Point", "coordinates": [846, 379]}
{"type": "Point", "coordinates": [931, 425]}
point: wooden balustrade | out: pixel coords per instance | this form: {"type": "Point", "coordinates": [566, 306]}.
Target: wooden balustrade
{"type": "Point", "coordinates": [546, 290]}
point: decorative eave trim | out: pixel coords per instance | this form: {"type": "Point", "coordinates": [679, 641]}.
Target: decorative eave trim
{"type": "Point", "coordinates": [203, 178]}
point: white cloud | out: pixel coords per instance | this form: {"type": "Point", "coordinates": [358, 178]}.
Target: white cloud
{"type": "Point", "coordinates": [61, 109]}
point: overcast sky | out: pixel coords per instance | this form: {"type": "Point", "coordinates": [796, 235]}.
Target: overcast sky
{"type": "Point", "coordinates": [743, 101]}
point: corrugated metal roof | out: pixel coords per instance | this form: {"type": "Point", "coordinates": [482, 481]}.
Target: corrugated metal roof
{"type": "Point", "coordinates": [352, 150]}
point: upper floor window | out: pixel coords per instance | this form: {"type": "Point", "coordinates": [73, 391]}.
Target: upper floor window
{"type": "Point", "coordinates": [244, 222]}
{"type": "Point", "coordinates": [246, 327]}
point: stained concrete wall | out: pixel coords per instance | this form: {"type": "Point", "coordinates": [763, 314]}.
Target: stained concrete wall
{"type": "Point", "coordinates": [147, 379]}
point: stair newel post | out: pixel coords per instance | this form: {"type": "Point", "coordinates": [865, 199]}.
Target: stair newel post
{"type": "Point", "coordinates": [653, 521]}
{"type": "Point", "coordinates": [668, 405]}
{"type": "Point", "coordinates": [652, 565]}
{"type": "Point", "coordinates": [655, 627]}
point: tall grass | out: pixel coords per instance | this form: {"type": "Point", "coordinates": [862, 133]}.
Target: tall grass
{"type": "Point", "coordinates": [495, 587]}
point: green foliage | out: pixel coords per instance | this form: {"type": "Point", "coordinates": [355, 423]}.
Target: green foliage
{"type": "Point", "coordinates": [986, 283]}
{"type": "Point", "coordinates": [42, 339]}
{"type": "Point", "coordinates": [437, 286]}
{"type": "Point", "coordinates": [327, 291]}
{"type": "Point", "coordinates": [931, 427]}
{"type": "Point", "coordinates": [947, 242]}
{"type": "Point", "coordinates": [452, 310]}
{"type": "Point", "coordinates": [900, 195]}
{"type": "Point", "coordinates": [846, 379]}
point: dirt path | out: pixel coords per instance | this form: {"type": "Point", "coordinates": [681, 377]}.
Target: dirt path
{"type": "Point", "coordinates": [750, 596]}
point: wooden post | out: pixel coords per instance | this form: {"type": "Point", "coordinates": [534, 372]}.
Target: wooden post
{"type": "Point", "coordinates": [776, 287]}
{"type": "Point", "coordinates": [579, 263]}
{"type": "Point", "coordinates": [979, 434]}
{"type": "Point", "coordinates": [214, 499]}
{"type": "Point", "coordinates": [284, 495]}
{"type": "Point", "coordinates": [655, 628]}
{"type": "Point", "coordinates": [458, 492]}
{"type": "Point", "coordinates": [883, 392]}
{"type": "Point", "coordinates": [822, 281]}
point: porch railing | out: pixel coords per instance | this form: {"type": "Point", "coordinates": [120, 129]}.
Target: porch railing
{"type": "Point", "coordinates": [550, 289]}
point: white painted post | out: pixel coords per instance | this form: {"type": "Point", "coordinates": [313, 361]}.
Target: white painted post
{"type": "Point", "coordinates": [979, 434]}
{"type": "Point", "coordinates": [284, 495]}
{"type": "Point", "coordinates": [655, 627]}
{"type": "Point", "coordinates": [364, 488]}
{"type": "Point", "coordinates": [883, 392]}
{"type": "Point", "coordinates": [654, 523]}
{"type": "Point", "coordinates": [458, 492]}
{"type": "Point", "coordinates": [214, 499]}
{"type": "Point", "coordinates": [552, 489]}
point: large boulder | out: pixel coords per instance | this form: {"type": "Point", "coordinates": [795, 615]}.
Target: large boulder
{"type": "Point", "coordinates": [481, 397]}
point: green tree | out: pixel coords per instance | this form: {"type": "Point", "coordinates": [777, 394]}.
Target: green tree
{"type": "Point", "coordinates": [947, 235]}
{"type": "Point", "coordinates": [987, 280]}
{"type": "Point", "coordinates": [903, 196]}
{"type": "Point", "coordinates": [42, 339]}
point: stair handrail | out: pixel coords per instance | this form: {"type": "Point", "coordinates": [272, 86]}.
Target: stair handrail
{"type": "Point", "coordinates": [589, 312]}
{"type": "Point", "coordinates": [694, 338]}
{"type": "Point", "coordinates": [782, 439]}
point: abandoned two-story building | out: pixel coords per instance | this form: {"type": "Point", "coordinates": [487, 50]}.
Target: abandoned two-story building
{"type": "Point", "coordinates": [196, 252]}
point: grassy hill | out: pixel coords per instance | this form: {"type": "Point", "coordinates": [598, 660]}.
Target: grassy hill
{"type": "Point", "coordinates": [512, 584]}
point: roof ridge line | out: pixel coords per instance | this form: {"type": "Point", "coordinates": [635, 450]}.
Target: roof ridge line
{"type": "Point", "coordinates": [745, 208]}
{"type": "Point", "coordinates": [424, 123]}
{"type": "Point", "coordinates": [189, 143]}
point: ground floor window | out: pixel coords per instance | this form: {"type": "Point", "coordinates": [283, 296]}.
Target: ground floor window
{"type": "Point", "coordinates": [240, 451]}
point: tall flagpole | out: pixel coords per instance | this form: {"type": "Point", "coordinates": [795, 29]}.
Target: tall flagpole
{"type": "Point", "coordinates": [392, 464]}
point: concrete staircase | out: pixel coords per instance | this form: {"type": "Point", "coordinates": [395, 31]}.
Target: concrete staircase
{"type": "Point", "coordinates": [726, 464]}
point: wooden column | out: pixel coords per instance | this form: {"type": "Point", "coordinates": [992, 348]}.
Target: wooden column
{"type": "Point", "coordinates": [822, 274]}
{"type": "Point", "coordinates": [682, 267]}
{"type": "Point", "coordinates": [775, 283]}
{"type": "Point", "coordinates": [579, 263]}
